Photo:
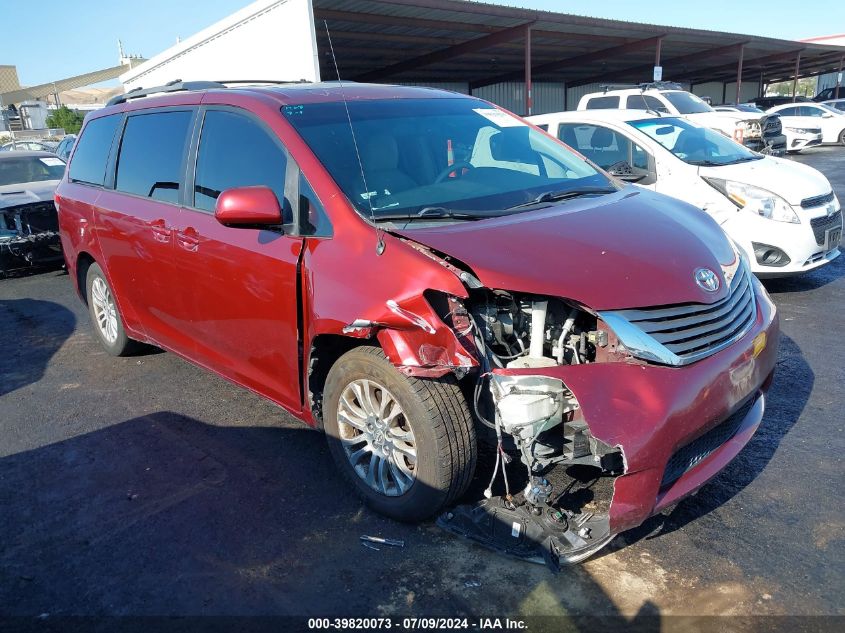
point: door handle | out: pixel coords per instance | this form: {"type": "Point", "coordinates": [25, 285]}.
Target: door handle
{"type": "Point", "coordinates": [188, 239]}
{"type": "Point", "coordinates": [161, 232]}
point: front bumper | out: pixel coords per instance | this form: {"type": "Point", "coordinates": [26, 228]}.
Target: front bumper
{"type": "Point", "coordinates": [797, 141]}
{"type": "Point", "coordinates": [653, 412]}
{"type": "Point", "coordinates": [798, 241]}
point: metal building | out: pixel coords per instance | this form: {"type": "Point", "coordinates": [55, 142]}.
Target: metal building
{"type": "Point", "coordinates": [526, 60]}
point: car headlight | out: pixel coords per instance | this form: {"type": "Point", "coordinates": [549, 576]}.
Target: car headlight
{"type": "Point", "coordinates": [756, 200]}
{"type": "Point", "coordinates": [802, 130]}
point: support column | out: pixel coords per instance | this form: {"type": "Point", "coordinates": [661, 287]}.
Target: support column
{"type": "Point", "coordinates": [528, 99]}
{"type": "Point", "coordinates": [795, 79]}
{"type": "Point", "coordinates": [739, 73]}
{"type": "Point", "coordinates": [657, 52]}
{"type": "Point", "coordinates": [761, 89]}
{"type": "Point", "coordinates": [836, 92]}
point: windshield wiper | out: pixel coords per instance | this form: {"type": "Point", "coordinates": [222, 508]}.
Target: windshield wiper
{"type": "Point", "coordinates": [744, 159]}
{"type": "Point", "coordinates": [706, 163]}
{"type": "Point", "coordinates": [430, 213]}
{"type": "Point", "coordinates": [568, 194]}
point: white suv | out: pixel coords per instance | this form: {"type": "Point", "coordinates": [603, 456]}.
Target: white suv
{"type": "Point", "coordinates": [759, 132]}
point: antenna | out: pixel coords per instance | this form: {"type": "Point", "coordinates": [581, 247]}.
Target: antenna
{"type": "Point", "coordinates": [379, 237]}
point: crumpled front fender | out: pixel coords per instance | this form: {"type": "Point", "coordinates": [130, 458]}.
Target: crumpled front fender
{"type": "Point", "coordinates": [415, 339]}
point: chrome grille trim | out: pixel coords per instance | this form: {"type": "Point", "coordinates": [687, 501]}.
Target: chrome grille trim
{"type": "Point", "coordinates": [682, 334]}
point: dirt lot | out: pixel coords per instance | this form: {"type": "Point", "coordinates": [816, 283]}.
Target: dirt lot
{"type": "Point", "coordinates": [147, 486]}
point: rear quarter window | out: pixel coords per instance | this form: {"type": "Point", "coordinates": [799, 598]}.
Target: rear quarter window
{"type": "Point", "coordinates": [92, 153]}
{"type": "Point", "coordinates": [151, 155]}
{"type": "Point", "coordinates": [602, 103]}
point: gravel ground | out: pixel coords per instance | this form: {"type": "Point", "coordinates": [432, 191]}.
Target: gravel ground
{"type": "Point", "coordinates": [147, 486]}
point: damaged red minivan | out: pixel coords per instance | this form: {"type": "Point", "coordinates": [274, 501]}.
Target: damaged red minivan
{"type": "Point", "coordinates": [418, 272]}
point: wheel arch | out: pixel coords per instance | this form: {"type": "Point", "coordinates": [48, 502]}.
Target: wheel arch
{"type": "Point", "coordinates": [83, 263]}
{"type": "Point", "coordinates": [324, 352]}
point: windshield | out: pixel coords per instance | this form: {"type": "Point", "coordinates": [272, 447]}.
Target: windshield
{"type": "Point", "coordinates": [830, 109]}
{"type": "Point", "coordinates": [693, 144]}
{"type": "Point", "coordinates": [686, 102]}
{"type": "Point", "coordinates": [438, 156]}
{"type": "Point", "coordinates": [15, 170]}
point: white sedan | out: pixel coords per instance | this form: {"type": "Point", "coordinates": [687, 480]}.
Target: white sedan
{"type": "Point", "coordinates": [830, 120]}
{"type": "Point", "coordinates": [783, 215]}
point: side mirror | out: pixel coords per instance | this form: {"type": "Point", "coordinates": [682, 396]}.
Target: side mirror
{"type": "Point", "coordinates": [624, 171]}
{"type": "Point", "coordinates": [827, 115]}
{"type": "Point", "coordinates": [248, 207]}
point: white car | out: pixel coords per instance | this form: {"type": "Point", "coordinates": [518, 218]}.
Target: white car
{"type": "Point", "coordinates": [755, 130]}
{"type": "Point", "coordinates": [800, 132]}
{"type": "Point", "coordinates": [837, 104]}
{"type": "Point", "coordinates": [784, 215]}
{"type": "Point", "coordinates": [830, 120]}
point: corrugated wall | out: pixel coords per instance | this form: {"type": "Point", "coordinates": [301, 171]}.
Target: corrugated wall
{"type": "Point", "coordinates": [454, 86]}
{"type": "Point", "coordinates": [547, 96]}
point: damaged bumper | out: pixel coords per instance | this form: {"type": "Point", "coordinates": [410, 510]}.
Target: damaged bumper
{"type": "Point", "coordinates": [29, 236]}
{"type": "Point", "coordinates": [676, 427]}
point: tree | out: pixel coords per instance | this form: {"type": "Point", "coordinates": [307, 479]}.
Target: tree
{"type": "Point", "coordinates": [66, 118]}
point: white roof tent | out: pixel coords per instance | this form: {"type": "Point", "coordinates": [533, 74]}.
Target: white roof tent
{"type": "Point", "coordinates": [479, 45]}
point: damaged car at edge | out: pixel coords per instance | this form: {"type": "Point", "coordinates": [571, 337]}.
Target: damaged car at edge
{"type": "Point", "coordinates": [29, 228]}
{"type": "Point", "coordinates": [418, 272]}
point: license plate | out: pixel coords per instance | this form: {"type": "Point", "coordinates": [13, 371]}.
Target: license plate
{"type": "Point", "coordinates": [834, 236]}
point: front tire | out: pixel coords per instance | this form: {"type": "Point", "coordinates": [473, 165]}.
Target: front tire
{"type": "Point", "coordinates": [842, 137]}
{"type": "Point", "coordinates": [406, 444]}
{"type": "Point", "coordinates": [108, 324]}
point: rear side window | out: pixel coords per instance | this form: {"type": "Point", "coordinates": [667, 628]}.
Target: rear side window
{"type": "Point", "coordinates": [603, 103]}
{"type": "Point", "coordinates": [151, 153]}
{"type": "Point", "coordinates": [603, 146]}
{"type": "Point", "coordinates": [92, 153]}
{"type": "Point", "coordinates": [645, 102]}
{"type": "Point", "coordinates": [791, 111]}
{"type": "Point", "coordinates": [235, 151]}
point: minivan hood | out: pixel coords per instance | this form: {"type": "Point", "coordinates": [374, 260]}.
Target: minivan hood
{"type": "Point", "coordinates": [629, 249]}
{"type": "Point", "coordinates": [790, 180]}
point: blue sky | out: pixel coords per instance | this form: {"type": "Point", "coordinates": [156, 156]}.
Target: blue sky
{"type": "Point", "coordinates": [88, 41]}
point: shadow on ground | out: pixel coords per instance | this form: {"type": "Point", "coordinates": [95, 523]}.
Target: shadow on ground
{"type": "Point", "coordinates": [31, 332]}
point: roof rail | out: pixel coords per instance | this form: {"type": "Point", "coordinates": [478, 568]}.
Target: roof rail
{"type": "Point", "coordinates": [607, 87]}
{"type": "Point", "coordinates": [263, 81]}
{"type": "Point", "coordinates": [661, 85]}
{"type": "Point", "coordinates": [177, 85]}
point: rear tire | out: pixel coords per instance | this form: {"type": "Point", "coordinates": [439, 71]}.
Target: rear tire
{"type": "Point", "coordinates": [842, 137]}
{"type": "Point", "coordinates": [105, 315]}
{"type": "Point", "coordinates": [428, 418]}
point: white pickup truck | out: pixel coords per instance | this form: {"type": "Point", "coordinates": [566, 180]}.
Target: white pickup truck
{"type": "Point", "coordinates": [758, 132]}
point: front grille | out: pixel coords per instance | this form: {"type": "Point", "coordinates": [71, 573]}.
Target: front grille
{"type": "Point", "coordinates": [823, 224]}
{"type": "Point", "coordinates": [688, 332]}
{"type": "Point", "coordinates": [772, 126]}
{"type": "Point", "coordinates": [817, 201]}
{"type": "Point", "coordinates": [689, 456]}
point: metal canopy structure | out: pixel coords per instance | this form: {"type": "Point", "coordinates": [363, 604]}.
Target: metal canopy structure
{"type": "Point", "coordinates": [485, 44]}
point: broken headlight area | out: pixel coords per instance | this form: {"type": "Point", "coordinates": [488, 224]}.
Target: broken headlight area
{"type": "Point", "coordinates": [536, 419]}
{"type": "Point", "coordinates": [28, 236]}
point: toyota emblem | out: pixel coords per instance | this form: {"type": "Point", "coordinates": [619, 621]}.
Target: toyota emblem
{"type": "Point", "coordinates": [707, 279]}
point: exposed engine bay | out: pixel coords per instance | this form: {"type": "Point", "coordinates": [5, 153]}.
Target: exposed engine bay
{"type": "Point", "coordinates": [29, 235]}
{"type": "Point", "coordinates": [537, 420]}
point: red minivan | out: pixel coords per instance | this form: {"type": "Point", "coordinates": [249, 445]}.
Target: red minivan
{"type": "Point", "coordinates": [417, 273]}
